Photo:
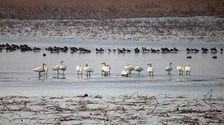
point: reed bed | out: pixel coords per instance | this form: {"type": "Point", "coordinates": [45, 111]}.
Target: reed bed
{"type": "Point", "coordinates": [123, 109]}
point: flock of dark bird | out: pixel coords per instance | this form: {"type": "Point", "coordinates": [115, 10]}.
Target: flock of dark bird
{"type": "Point", "coordinates": [65, 49]}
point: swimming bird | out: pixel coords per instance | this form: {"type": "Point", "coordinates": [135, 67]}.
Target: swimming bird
{"type": "Point", "coordinates": [40, 69]}
{"type": "Point", "coordinates": [129, 68]}
{"type": "Point", "coordinates": [79, 69]}
{"type": "Point", "coordinates": [88, 70]}
{"type": "Point", "coordinates": [138, 69]}
{"type": "Point", "coordinates": [150, 69]}
{"type": "Point", "coordinates": [180, 69]}
{"type": "Point", "coordinates": [125, 73]}
{"type": "Point", "coordinates": [169, 68]}
{"type": "Point", "coordinates": [188, 69]}
{"type": "Point", "coordinates": [105, 69]}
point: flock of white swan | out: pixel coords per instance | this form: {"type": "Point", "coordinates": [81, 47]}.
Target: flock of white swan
{"type": "Point", "coordinates": [105, 69]}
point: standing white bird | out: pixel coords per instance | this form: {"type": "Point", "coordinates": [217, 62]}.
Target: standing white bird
{"type": "Point", "coordinates": [61, 66]}
{"type": "Point", "coordinates": [56, 68]}
{"type": "Point", "coordinates": [105, 69]}
{"type": "Point", "coordinates": [188, 69]}
{"type": "Point", "coordinates": [40, 69]}
{"type": "Point", "coordinates": [150, 69]}
{"type": "Point", "coordinates": [180, 69]}
{"type": "Point", "coordinates": [169, 68]}
{"type": "Point", "coordinates": [46, 69]}
{"type": "Point", "coordinates": [138, 69]}
{"type": "Point", "coordinates": [129, 68]}
{"type": "Point", "coordinates": [88, 70]}
{"type": "Point", "coordinates": [125, 73]}
{"type": "Point", "coordinates": [79, 69]}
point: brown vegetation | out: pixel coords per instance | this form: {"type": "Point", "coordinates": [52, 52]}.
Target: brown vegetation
{"type": "Point", "coordinates": [103, 9]}
{"type": "Point", "coordinates": [123, 109]}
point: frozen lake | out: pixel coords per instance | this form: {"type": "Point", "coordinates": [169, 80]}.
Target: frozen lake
{"type": "Point", "coordinates": [17, 77]}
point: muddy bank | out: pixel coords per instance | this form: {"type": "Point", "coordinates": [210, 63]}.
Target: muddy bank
{"type": "Point", "coordinates": [125, 109]}
{"type": "Point", "coordinates": [208, 29]}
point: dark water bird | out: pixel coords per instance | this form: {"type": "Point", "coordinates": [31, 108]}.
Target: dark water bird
{"type": "Point", "coordinates": [204, 50]}
{"type": "Point", "coordinates": [137, 50]}
{"type": "Point", "coordinates": [128, 50]}
{"type": "Point", "coordinates": [154, 50]}
{"type": "Point", "coordinates": [120, 50]}
{"type": "Point", "coordinates": [44, 54]}
{"type": "Point", "coordinates": [189, 57]}
{"type": "Point", "coordinates": [213, 50]}
{"type": "Point", "coordinates": [100, 50]}
{"type": "Point", "coordinates": [109, 50]}
{"type": "Point", "coordinates": [214, 57]}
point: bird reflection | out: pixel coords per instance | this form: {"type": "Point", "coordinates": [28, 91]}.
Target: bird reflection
{"type": "Point", "coordinates": [60, 77]}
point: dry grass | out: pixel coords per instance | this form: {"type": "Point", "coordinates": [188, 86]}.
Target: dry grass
{"type": "Point", "coordinates": [118, 8]}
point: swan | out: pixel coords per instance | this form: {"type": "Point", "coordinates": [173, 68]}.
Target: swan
{"type": "Point", "coordinates": [188, 69]}
{"type": "Point", "coordinates": [40, 69]}
{"type": "Point", "coordinates": [56, 68]}
{"type": "Point", "coordinates": [87, 69]}
{"type": "Point", "coordinates": [105, 70]}
{"type": "Point", "coordinates": [180, 69]}
{"type": "Point", "coordinates": [138, 69]}
{"type": "Point", "coordinates": [169, 68]}
{"type": "Point", "coordinates": [61, 66]}
{"type": "Point", "coordinates": [79, 69]}
{"type": "Point", "coordinates": [124, 73]}
{"type": "Point", "coordinates": [150, 69]}
{"type": "Point", "coordinates": [129, 68]}
{"type": "Point", "coordinates": [46, 69]}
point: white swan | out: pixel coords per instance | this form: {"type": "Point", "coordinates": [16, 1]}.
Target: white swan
{"type": "Point", "coordinates": [61, 66]}
{"type": "Point", "coordinates": [56, 68]}
{"type": "Point", "coordinates": [188, 69]}
{"type": "Point", "coordinates": [40, 69]}
{"type": "Point", "coordinates": [169, 68]}
{"type": "Point", "coordinates": [105, 69]}
{"type": "Point", "coordinates": [180, 69]}
{"type": "Point", "coordinates": [138, 69]}
{"type": "Point", "coordinates": [79, 69]}
{"type": "Point", "coordinates": [150, 69]}
{"type": "Point", "coordinates": [88, 70]}
{"type": "Point", "coordinates": [46, 69]}
{"type": "Point", "coordinates": [125, 73]}
{"type": "Point", "coordinates": [129, 68]}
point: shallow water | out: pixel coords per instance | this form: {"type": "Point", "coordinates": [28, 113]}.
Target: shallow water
{"type": "Point", "coordinates": [17, 77]}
